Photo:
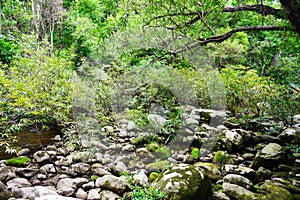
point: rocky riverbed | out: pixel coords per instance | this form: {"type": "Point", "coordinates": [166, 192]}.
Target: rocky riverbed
{"type": "Point", "coordinates": [241, 165]}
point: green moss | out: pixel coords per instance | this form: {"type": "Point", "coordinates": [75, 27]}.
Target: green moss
{"type": "Point", "coordinates": [153, 176]}
{"type": "Point", "coordinates": [94, 177]}
{"type": "Point", "coordinates": [152, 146]}
{"type": "Point", "coordinates": [158, 166]}
{"type": "Point", "coordinates": [163, 152]}
{"type": "Point", "coordinates": [195, 153]}
{"type": "Point", "coordinates": [18, 161]}
{"type": "Point", "coordinates": [218, 187]}
{"type": "Point", "coordinates": [222, 158]}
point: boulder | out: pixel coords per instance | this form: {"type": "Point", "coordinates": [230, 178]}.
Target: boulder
{"type": "Point", "coordinates": [55, 197]}
{"type": "Point", "coordinates": [237, 192]}
{"type": "Point", "coordinates": [106, 194]}
{"type": "Point", "coordinates": [235, 138]}
{"type": "Point", "coordinates": [113, 183]}
{"type": "Point", "coordinates": [271, 156]}
{"type": "Point", "coordinates": [93, 194]}
{"type": "Point", "coordinates": [184, 182]}
{"type": "Point", "coordinates": [211, 169]}
{"type": "Point", "coordinates": [41, 156]}
{"type": "Point", "coordinates": [289, 134]}
{"type": "Point", "coordinates": [68, 186]}
{"type": "Point", "coordinates": [4, 192]}
{"type": "Point", "coordinates": [238, 180]}
{"type": "Point", "coordinates": [269, 190]}
{"type": "Point", "coordinates": [18, 182]}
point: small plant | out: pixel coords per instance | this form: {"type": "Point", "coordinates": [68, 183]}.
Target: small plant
{"type": "Point", "coordinates": [294, 147]}
{"type": "Point", "coordinates": [94, 177]}
{"type": "Point", "coordinates": [195, 153]}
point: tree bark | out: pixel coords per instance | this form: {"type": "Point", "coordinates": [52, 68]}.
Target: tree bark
{"type": "Point", "coordinates": [292, 10]}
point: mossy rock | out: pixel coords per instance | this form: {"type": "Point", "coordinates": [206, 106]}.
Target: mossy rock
{"type": "Point", "coordinates": [20, 161]}
{"type": "Point", "coordinates": [185, 182]}
{"type": "Point", "coordinates": [222, 157]}
{"type": "Point", "coordinates": [153, 176]}
{"type": "Point", "coordinates": [157, 166]}
{"type": "Point", "coordinates": [163, 152]}
{"type": "Point", "coordinates": [211, 169]}
{"type": "Point", "coordinates": [271, 191]}
{"type": "Point", "coordinates": [152, 146]}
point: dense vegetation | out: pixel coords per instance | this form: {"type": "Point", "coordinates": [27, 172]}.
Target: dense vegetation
{"type": "Point", "coordinates": [52, 51]}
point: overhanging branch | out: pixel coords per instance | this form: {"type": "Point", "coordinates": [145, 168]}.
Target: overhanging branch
{"type": "Point", "coordinates": [261, 9]}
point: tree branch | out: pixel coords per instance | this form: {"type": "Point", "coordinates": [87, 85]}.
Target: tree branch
{"type": "Point", "coordinates": [261, 9]}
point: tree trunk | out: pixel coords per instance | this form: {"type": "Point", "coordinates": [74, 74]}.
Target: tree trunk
{"type": "Point", "coordinates": [292, 10]}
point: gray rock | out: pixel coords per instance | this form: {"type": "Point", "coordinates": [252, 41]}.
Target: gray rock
{"type": "Point", "coordinates": [68, 186]}
{"type": "Point", "coordinates": [55, 197]}
{"type": "Point", "coordinates": [24, 152]}
{"type": "Point", "coordinates": [81, 194]}
{"type": "Point", "coordinates": [4, 192]}
{"type": "Point", "coordinates": [26, 172]}
{"type": "Point", "coordinates": [185, 182]}
{"type": "Point", "coordinates": [156, 119]}
{"type": "Point", "coordinates": [7, 173]}
{"type": "Point", "coordinates": [237, 192]}
{"type": "Point", "coordinates": [141, 178]}
{"type": "Point", "coordinates": [238, 169]}
{"type": "Point", "coordinates": [88, 186]}
{"type": "Point", "coordinates": [81, 168]}
{"type": "Point", "coordinates": [113, 183]}
{"type": "Point", "coordinates": [18, 182]}
{"type": "Point", "coordinates": [106, 194]}
{"type": "Point", "coordinates": [263, 174]}
{"type": "Point", "coordinates": [219, 196]}
{"type": "Point", "coordinates": [97, 169]}
{"type": "Point", "coordinates": [238, 180]}
{"type": "Point", "coordinates": [210, 169]}
{"type": "Point", "coordinates": [128, 147]}
{"type": "Point", "coordinates": [271, 156]}
{"type": "Point", "coordinates": [235, 138]}
{"type": "Point", "coordinates": [93, 194]}
{"type": "Point", "coordinates": [32, 192]}
{"type": "Point", "coordinates": [47, 168]}
{"type": "Point", "coordinates": [41, 156]}
{"type": "Point", "coordinates": [288, 135]}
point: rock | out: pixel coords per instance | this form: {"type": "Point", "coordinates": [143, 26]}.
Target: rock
{"type": "Point", "coordinates": [93, 194]}
{"type": "Point", "coordinates": [271, 156]}
{"type": "Point", "coordinates": [4, 192]}
{"type": "Point", "coordinates": [32, 192]}
{"type": "Point", "coordinates": [81, 168]}
{"type": "Point", "coordinates": [222, 157]}
{"type": "Point", "coordinates": [288, 135]}
{"type": "Point", "coordinates": [238, 180]}
{"type": "Point", "coordinates": [106, 194]}
{"type": "Point", "coordinates": [7, 173]}
{"type": "Point", "coordinates": [113, 183]}
{"type": "Point", "coordinates": [88, 186]}
{"type": "Point", "coordinates": [68, 186]}
{"type": "Point", "coordinates": [241, 170]}
{"type": "Point", "coordinates": [41, 156]}
{"type": "Point", "coordinates": [26, 172]}
{"type": "Point", "coordinates": [263, 174]}
{"type": "Point", "coordinates": [237, 192]}
{"type": "Point", "coordinates": [184, 182]}
{"type": "Point", "coordinates": [141, 178]}
{"type": "Point", "coordinates": [128, 147]}
{"type": "Point", "coordinates": [18, 182]}
{"type": "Point", "coordinates": [55, 197]}
{"type": "Point", "coordinates": [97, 169]}
{"type": "Point", "coordinates": [271, 191]}
{"type": "Point", "coordinates": [210, 169]}
{"type": "Point", "coordinates": [219, 196]}
{"type": "Point", "coordinates": [119, 168]}
{"type": "Point", "coordinates": [235, 138]}
{"type": "Point", "coordinates": [247, 135]}
{"type": "Point", "coordinates": [24, 152]}
{"type": "Point", "coordinates": [156, 119]}
{"type": "Point", "coordinates": [157, 166]}
{"type": "Point", "coordinates": [81, 194]}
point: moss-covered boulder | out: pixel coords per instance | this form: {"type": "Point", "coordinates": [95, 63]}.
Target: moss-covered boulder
{"type": "Point", "coordinates": [222, 157]}
{"type": "Point", "coordinates": [20, 161]}
{"type": "Point", "coordinates": [184, 182]}
{"type": "Point", "coordinates": [157, 166]}
{"type": "Point", "coordinates": [269, 190]}
{"type": "Point", "coordinates": [272, 155]}
{"type": "Point", "coordinates": [211, 169]}
{"type": "Point", "coordinates": [4, 192]}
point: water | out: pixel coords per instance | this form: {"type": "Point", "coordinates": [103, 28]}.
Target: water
{"type": "Point", "coordinates": [31, 139]}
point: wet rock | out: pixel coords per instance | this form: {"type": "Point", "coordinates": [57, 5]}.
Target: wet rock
{"type": "Point", "coordinates": [185, 182]}
{"type": "Point", "coordinates": [238, 180]}
{"type": "Point", "coordinates": [18, 182]}
{"type": "Point", "coordinates": [106, 194]}
{"type": "Point", "coordinates": [237, 192]}
{"type": "Point", "coordinates": [113, 183]}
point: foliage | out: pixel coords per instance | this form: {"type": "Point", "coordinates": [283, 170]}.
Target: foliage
{"type": "Point", "coordinates": [37, 90]}
{"type": "Point", "coordinates": [195, 153]}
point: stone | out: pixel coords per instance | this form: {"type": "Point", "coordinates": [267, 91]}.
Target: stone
{"type": "Point", "coordinates": [141, 178]}
{"type": "Point", "coordinates": [238, 180]}
{"type": "Point", "coordinates": [241, 170]}
{"type": "Point", "coordinates": [97, 169]}
{"type": "Point", "coordinates": [47, 168]}
{"type": "Point", "coordinates": [32, 192]}
{"type": "Point", "coordinates": [7, 173]}
{"type": "Point", "coordinates": [18, 182]}
{"type": "Point", "coordinates": [55, 197]}
{"type": "Point", "coordinates": [156, 119]}
{"type": "Point", "coordinates": [81, 194]}
{"type": "Point", "coordinates": [237, 192]}
{"type": "Point", "coordinates": [271, 191]}
{"type": "Point", "coordinates": [271, 156]}
{"type": "Point", "coordinates": [4, 192]}
{"type": "Point", "coordinates": [263, 174]}
{"type": "Point", "coordinates": [68, 186]}
{"type": "Point", "coordinates": [211, 169]}
{"type": "Point", "coordinates": [88, 186]}
{"type": "Point", "coordinates": [26, 172]}
{"type": "Point", "coordinates": [113, 183]}
{"type": "Point", "coordinates": [81, 168]}
{"type": "Point", "coordinates": [157, 166]}
{"type": "Point", "coordinates": [288, 135]}
{"type": "Point", "coordinates": [41, 156]}
{"type": "Point", "coordinates": [235, 138]}
{"type": "Point", "coordinates": [108, 195]}
{"type": "Point", "coordinates": [219, 196]}
{"type": "Point", "coordinates": [24, 152]}
{"type": "Point", "coordinates": [184, 182]}
{"type": "Point", "coordinates": [128, 147]}
{"type": "Point", "coordinates": [93, 194]}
